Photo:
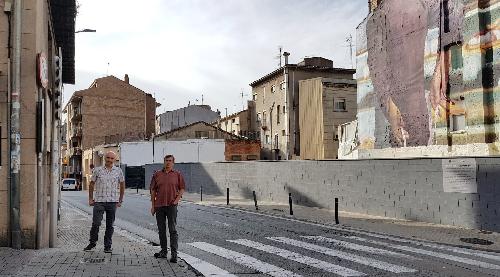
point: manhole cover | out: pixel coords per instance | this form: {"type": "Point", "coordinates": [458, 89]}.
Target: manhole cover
{"type": "Point", "coordinates": [476, 241]}
{"type": "Point", "coordinates": [94, 260]}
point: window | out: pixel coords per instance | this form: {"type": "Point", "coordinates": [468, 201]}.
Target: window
{"type": "Point", "coordinates": [273, 89]}
{"type": "Point", "coordinates": [259, 118]}
{"type": "Point", "coordinates": [268, 139]}
{"type": "Point", "coordinates": [339, 105]}
{"type": "Point", "coordinates": [251, 157]}
{"type": "Point", "coordinates": [233, 120]}
{"type": "Point", "coordinates": [236, 158]}
{"type": "Point", "coordinates": [458, 122]}
{"type": "Point", "coordinates": [254, 97]}
{"type": "Point", "coordinates": [264, 118]}
{"type": "Point", "coordinates": [282, 85]}
{"type": "Point", "coordinates": [201, 134]}
{"type": "Point", "coordinates": [278, 115]}
{"type": "Point", "coordinates": [283, 133]}
{"type": "Point", "coordinates": [283, 109]}
{"type": "Point", "coordinates": [264, 95]}
{"type": "Point", "coordinates": [456, 57]}
{"type": "Point", "coordinates": [446, 11]}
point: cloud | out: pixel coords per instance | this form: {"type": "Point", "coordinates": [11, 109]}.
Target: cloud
{"type": "Point", "coordinates": [182, 49]}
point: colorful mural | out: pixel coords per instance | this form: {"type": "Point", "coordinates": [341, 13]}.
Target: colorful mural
{"type": "Point", "coordinates": [427, 73]}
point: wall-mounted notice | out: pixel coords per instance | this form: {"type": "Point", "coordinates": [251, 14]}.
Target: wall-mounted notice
{"type": "Point", "coordinates": [459, 175]}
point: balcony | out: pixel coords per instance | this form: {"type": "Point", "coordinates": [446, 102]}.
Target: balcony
{"type": "Point", "coordinates": [77, 115]}
{"type": "Point", "coordinates": [76, 151]}
{"type": "Point", "coordinates": [77, 132]}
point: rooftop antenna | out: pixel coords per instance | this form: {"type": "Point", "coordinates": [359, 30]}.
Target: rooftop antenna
{"type": "Point", "coordinates": [278, 57]}
{"type": "Point", "coordinates": [242, 97]}
{"type": "Point", "coordinates": [350, 45]}
{"type": "Point", "coordinates": [107, 70]}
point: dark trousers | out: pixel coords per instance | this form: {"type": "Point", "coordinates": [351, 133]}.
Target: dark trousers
{"type": "Point", "coordinates": [167, 213]}
{"type": "Point", "coordinates": [98, 212]}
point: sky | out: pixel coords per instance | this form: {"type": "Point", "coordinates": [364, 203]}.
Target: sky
{"type": "Point", "coordinates": [179, 50]}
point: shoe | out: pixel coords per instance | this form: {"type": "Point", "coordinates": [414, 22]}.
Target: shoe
{"type": "Point", "coordinates": [162, 254]}
{"type": "Point", "coordinates": [89, 247]}
{"type": "Point", "coordinates": [173, 259]}
{"type": "Point", "coordinates": [108, 250]}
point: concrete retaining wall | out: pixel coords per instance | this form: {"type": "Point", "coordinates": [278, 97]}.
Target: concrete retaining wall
{"type": "Point", "coordinates": [406, 189]}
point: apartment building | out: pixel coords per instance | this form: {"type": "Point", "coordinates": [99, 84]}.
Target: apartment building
{"type": "Point", "coordinates": [110, 109]}
{"type": "Point", "coordinates": [36, 58]}
{"type": "Point", "coordinates": [324, 105]}
{"type": "Point", "coordinates": [171, 120]}
{"type": "Point", "coordinates": [276, 97]}
{"type": "Point", "coordinates": [242, 123]}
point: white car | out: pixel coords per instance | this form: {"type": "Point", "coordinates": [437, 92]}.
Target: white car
{"type": "Point", "coordinates": [69, 183]}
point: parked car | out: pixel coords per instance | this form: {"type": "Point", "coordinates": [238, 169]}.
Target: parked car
{"type": "Point", "coordinates": [69, 184]}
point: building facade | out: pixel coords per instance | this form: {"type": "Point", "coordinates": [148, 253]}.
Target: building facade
{"type": "Point", "coordinates": [324, 104]}
{"type": "Point", "coordinates": [243, 123]}
{"type": "Point", "coordinates": [171, 120]}
{"type": "Point", "coordinates": [197, 130]}
{"type": "Point", "coordinates": [427, 82]}
{"type": "Point", "coordinates": [36, 57]}
{"type": "Point", "coordinates": [276, 97]}
{"type": "Point", "coordinates": [109, 111]}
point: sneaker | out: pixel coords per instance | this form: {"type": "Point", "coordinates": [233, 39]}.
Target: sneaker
{"type": "Point", "coordinates": [162, 254]}
{"type": "Point", "coordinates": [108, 250]}
{"type": "Point", "coordinates": [89, 247]}
{"type": "Point", "coordinates": [173, 259]}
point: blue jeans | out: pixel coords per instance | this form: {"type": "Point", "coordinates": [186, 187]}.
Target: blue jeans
{"type": "Point", "coordinates": [98, 212]}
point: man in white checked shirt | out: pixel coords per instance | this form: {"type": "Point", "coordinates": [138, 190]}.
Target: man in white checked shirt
{"type": "Point", "coordinates": [109, 185]}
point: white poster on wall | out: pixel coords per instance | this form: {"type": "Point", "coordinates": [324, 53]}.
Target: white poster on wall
{"type": "Point", "coordinates": [459, 175]}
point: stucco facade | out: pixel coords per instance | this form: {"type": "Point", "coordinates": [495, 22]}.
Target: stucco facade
{"type": "Point", "coordinates": [171, 120]}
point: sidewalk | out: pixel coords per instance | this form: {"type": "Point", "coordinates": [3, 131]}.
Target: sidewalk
{"type": "Point", "coordinates": [403, 228]}
{"type": "Point", "coordinates": [132, 256]}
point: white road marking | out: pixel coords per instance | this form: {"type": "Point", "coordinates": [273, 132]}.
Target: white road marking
{"type": "Point", "coordinates": [205, 268]}
{"type": "Point", "coordinates": [344, 255]}
{"type": "Point", "coordinates": [244, 260]}
{"type": "Point", "coordinates": [431, 253]}
{"type": "Point", "coordinates": [342, 271]}
{"type": "Point", "coordinates": [362, 248]}
{"type": "Point", "coordinates": [461, 250]}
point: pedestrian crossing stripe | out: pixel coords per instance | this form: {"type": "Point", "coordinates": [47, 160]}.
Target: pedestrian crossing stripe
{"type": "Point", "coordinates": [297, 257]}
{"type": "Point", "coordinates": [344, 255]}
{"type": "Point", "coordinates": [207, 269]}
{"type": "Point", "coordinates": [244, 260]}
{"type": "Point", "coordinates": [418, 251]}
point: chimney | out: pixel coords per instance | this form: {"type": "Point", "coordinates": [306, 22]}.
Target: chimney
{"type": "Point", "coordinates": [286, 54]}
{"type": "Point", "coordinates": [126, 79]}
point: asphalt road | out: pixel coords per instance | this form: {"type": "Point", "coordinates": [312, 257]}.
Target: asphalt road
{"type": "Point", "coordinates": [228, 242]}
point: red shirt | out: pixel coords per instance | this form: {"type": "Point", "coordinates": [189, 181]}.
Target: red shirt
{"type": "Point", "coordinates": [167, 186]}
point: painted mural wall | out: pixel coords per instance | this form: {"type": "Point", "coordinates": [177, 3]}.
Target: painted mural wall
{"type": "Point", "coordinates": [427, 73]}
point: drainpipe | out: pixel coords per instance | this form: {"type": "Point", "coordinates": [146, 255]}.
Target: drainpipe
{"type": "Point", "coordinates": [15, 135]}
{"type": "Point", "coordinates": [287, 102]}
{"type": "Point", "coordinates": [39, 185]}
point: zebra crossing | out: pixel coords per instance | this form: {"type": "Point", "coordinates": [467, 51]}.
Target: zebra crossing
{"type": "Point", "coordinates": [341, 256]}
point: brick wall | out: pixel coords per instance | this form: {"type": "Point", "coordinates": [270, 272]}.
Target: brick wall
{"type": "Point", "coordinates": [243, 149]}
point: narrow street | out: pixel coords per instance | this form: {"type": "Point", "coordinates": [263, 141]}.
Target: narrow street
{"type": "Point", "coordinates": [230, 242]}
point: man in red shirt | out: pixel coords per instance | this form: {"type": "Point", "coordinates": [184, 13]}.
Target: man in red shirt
{"type": "Point", "coordinates": [167, 187]}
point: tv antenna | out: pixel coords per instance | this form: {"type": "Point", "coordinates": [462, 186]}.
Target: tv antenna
{"type": "Point", "coordinates": [278, 57]}
{"type": "Point", "coordinates": [350, 45]}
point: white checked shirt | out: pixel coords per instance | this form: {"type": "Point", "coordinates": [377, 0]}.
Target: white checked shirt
{"type": "Point", "coordinates": [107, 184]}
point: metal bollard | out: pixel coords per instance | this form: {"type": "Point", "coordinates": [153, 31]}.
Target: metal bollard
{"type": "Point", "coordinates": [137, 188]}
{"type": "Point", "coordinates": [201, 193]}
{"type": "Point", "coordinates": [255, 201]}
{"type": "Point", "coordinates": [227, 196]}
{"type": "Point", "coordinates": [290, 203]}
{"type": "Point", "coordinates": [336, 211]}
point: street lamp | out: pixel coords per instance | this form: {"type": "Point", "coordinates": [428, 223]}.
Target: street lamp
{"type": "Point", "coordinates": [86, 31]}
